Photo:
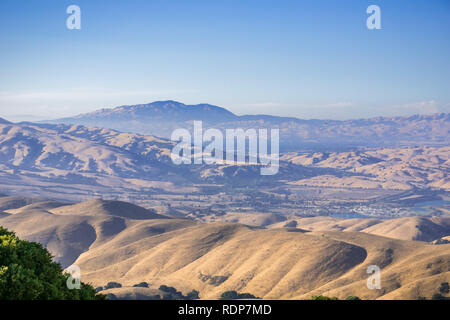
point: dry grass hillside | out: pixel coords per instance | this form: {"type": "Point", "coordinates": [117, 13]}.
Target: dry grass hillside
{"type": "Point", "coordinates": [121, 242]}
{"type": "Point", "coordinates": [408, 228]}
{"type": "Point", "coordinates": [387, 168]}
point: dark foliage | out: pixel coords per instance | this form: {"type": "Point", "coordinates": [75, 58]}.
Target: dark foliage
{"type": "Point", "coordinates": [27, 272]}
{"type": "Point", "coordinates": [233, 295]}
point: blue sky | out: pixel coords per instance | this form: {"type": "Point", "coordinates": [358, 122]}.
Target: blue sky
{"type": "Point", "coordinates": [308, 59]}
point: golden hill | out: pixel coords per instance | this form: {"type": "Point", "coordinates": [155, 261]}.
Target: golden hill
{"type": "Point", "coordinates": [271, 264]}
{"type": "Point", "coordinates": [107, 208]}
{"type": "Point", "coordinates": [14, 202]}
{"type": "Point", "coordinates": [408, 228]}
{"type": "Point", "coordinates": [40, 205]}
{"type": "Point", "coordinates": [117, 241]}
{"type": "Point", "coordinates": [388, 168]}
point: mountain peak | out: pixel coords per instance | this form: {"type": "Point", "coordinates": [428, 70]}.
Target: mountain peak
{"type": "Point", "coordinates": [162, 118]}
{"type": "Point", "coordinates": [3, 121]}
{"type": "Point", "coordinates": [175, 106]}
{"type": "Point", "coordinates": [157, 111]}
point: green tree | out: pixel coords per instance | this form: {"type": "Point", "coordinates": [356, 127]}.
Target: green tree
{"type": "Point", "coordinates": [112, 285]}
{"type": "Point", "coordinates": [27, 272]}
{"type": "Point", "coordinates": [193, 295]}
{"type": "Point", "coordinates": [352, 298]}
{"type": "Point", "coordinates": [141, 285]}
{"type": "Point", "coordinates": [167, 289]}
{"type": "Point", "coordinates": [247, 296]}
{"type": "Point", "coordinates": [323, 298]}
{"type": "Point", "coordinates": [229, 295]}
{"type": "Point", "coordinates": [444, 288]}
{"type": "Point", "coordinates": [438, 296]}
{"type": "Point", "coordinates": [233, 295]}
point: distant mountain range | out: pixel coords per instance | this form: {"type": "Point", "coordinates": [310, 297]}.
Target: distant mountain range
{"type": "Point", "coordinates": [3, 121]}
{"type": "Point", "coordinates": [162, 117]}
{"type": "Point", "coordinates": [65, 158]}
{"type": "Point", "coordinates": [72, 162]}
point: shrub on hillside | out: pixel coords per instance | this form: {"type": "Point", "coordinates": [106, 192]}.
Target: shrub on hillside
{"type": "Point", "coordinates": [444, 288]}
{"type": "Point", "coordinates": [112, 285]}
{"type": "Point", "coordinates": [27, 272]}
{"type": "Point", "coordinates": [141, 285]}
{"type": "Point", "coordinates": [167, 289]}
{"type": "Point", "coordinates": [323, 298]}
{"type": "Point", "coordinates": [193, 295]}
{"type": "Point", "coordinates": [171, 293]}
{"type": "Point", "coordinates": [229, 295]}
{"type": "Point", "coordinates": [233, 295]}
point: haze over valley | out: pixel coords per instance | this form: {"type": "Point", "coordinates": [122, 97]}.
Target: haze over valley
{"type": "Point", "coordinates": [102, 193]}
{"type": "Point", "coordinates": [161, 118]}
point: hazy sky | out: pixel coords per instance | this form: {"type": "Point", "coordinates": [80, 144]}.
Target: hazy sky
{"type": "Point", "coordinates": [309, 59]}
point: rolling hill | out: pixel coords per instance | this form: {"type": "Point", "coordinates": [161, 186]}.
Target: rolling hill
{"type": "Point", "coordinates": [407, 228]}
{"type": "Point", "coordinates": [388, 168]}
{"type": "Point", "coordinates": [116, 241]}
{"type": "Point", "coordinates": [69, 162]}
